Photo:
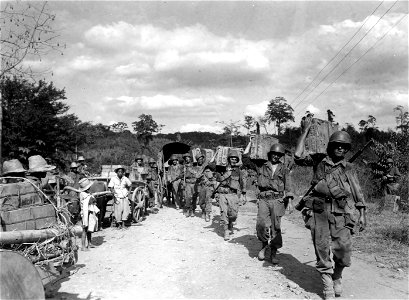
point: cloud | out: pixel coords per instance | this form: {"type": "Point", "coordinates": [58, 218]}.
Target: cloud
{"type": "Point", "coordinates": [312, 109]}
{"type": "Point", "coordinates": [199, 127]}
{"type": "Point", "coordinates": [256, 110]}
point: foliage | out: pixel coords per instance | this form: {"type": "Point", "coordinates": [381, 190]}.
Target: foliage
{"type": "Point", "coordinates": [366, 124]}
{"type": "Point", "coordinates": [35, 120]}
{"type": "Point", "coordinates": [249, 122]}
{"type": "Point", "coordinates": [26, 32]}
{"type": "Point", "coordinates": [402, 119]}
{"type": "Point", "coordinates": [119, 127]}
{"type": "Point", "coordinates": [279, 112]}
{"type": "Point", "coordinates": [145, 128]}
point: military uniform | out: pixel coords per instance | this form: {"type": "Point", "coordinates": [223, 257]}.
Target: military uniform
{"type": "Point", "coordinates": [231, 188]}
{"type": "Point", "coordinates": [152, 180]}
{"type": "Point", "coordinates": [189, 180]}
{"type": "Point", "coordinates": [274, 185]}
{"type": "Point", "coordinates": [390, 180]}
{"type": "Point", "coordinates": [175, 174]}
{"type": "Point", "coordinates": [206, 187]}
{"type": "Point", "coordinates": [329, 209]}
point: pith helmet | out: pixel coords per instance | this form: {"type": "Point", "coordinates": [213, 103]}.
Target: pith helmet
{"type": "Point", "coordinates": [138, 157]}
{"type": "Point", "coordinates": [277, 148]}
{"type": "Point", "coordinates": [233, 153]}
{"type": "Point", "coordinates": [120, 167]}
{"type": "Point", "coordinates": [152, 161]}
{"type": "Point", "coordinates": [73, 165]}
{"type": "Point", "coordinates": [389, 160]}
{"type": "Point", "coordinates": [37, 163]}
{"type": "Point", "coordinates": [85, 184]}
{"type": "Point", "coordinates": [81, 158]}
{"type": "Point", "coordinates": [13, 166]}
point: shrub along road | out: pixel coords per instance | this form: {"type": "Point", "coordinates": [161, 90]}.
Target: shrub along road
{"type": "Point", "coordinates": [171, 256]}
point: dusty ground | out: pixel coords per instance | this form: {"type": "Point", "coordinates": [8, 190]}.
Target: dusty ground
{"type": "Point", "coordinates": [171, 256]}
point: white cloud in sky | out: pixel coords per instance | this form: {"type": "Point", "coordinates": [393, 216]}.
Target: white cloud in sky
{"type": "Point", "coordinates": [256, 110]}
{"type": "Point", "coordinates": [199, 127]}
{"type": "Point", "coordinates": [181, 74]}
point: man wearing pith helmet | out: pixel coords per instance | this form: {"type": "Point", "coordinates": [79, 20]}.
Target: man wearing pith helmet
{"type": "Point", "coordinates": [232, 188]}
{"type": "Point", "coordinates": [81, 166]}
{"type": "Point", "coordinates": [328, 211]}
{"type": "Point", "coordinates": [37, 169]}
{"type": "Point", "coordinates": [13, 168]}
{"type": "Point", "coordinates": [274, 196]}
{"type": "Point", "coordinates": [119, 186]}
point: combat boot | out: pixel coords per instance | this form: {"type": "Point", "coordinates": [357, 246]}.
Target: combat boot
{"type": "Point", "coordinates": [230, 227]}
{"type": "Point", "coordinates": [262, 252]}
{"type": "Point", "coordinates": [337, 279]}
{"type": "Point", "coordinates": [328, 285]}
{"type": "Point", "coordinates": [186, 213]}
{"type": "Point", "coordinates": [225, 233]}
{"type": "Point", "coordinates": [207, 217]}
{"type": "Point", "coordinates": [191, 213]}
{"type": "Point", "coordinates": [273, 256]}
{"type": "Point", "coordinates": [203, 214]}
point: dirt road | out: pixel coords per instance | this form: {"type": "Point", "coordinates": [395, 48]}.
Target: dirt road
{"type": "Point", "coordinates": [171, 256]}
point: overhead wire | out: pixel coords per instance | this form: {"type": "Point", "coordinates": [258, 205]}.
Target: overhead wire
{"type": "Point", "coordinates": [339, 51]}
{"type": "Point", "coordinates": [359, 58]}
{"type": "Point", "coordinates": [345, 56]}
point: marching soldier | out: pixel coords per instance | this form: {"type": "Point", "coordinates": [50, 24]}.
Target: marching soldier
{"type": "Point", "coordinates": [209, 185]}
{"type": "Point", "coordinates": [390, 178]}
{"type": "Point", "coordinates": [189, 180]}
{"type": "Point", "coordinates": [174, 177]}
{"type": "Point", "coordinates": [200, 188]}
{"type": "Point", "coordinates": [274, 196]}
{"type": "Point", "coordinates": [231, 188]}
{"type": "Point", "coordinates": [329, 208]}
{"type": "Point", "coordinates": [152, 180]}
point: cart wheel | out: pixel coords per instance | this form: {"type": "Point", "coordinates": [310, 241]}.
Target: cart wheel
{"type": "Point", "coordinates": [138, 197]}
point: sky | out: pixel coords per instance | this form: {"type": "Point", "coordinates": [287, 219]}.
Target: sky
{"type": "Point", "coordinates": [193, 64]}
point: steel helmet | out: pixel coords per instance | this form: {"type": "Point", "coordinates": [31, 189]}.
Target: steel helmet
{"type": "Point", "coordinates": [138, 157]}
{"type": "Point", "coordinates": [152, 161]}
{"type": "Point", "coordinates": [340, 137]}
{"type": "Point", "coordinates": [173, 157]}
{"type": "Point", "coordinates": [187, 154]}
{"type": "Point", "coordinates": [81, 158]}
{"type": "Point", "coordinates": [277, 148]}
{"type": "Point", "coordinates": [73, 165]}
{"type": "Point", "coordinates": [389, 160]}
{"type": "Point", "coordinates": [233, 153]}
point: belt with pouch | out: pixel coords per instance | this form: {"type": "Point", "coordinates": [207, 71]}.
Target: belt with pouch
{"type": "Point", "coordinates": [271, 195]}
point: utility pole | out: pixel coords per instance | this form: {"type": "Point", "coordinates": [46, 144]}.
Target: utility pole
{"type": "Point", "coordinates": [1, 128]}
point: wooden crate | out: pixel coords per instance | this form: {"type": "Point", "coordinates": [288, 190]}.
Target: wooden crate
{"type": "Point", "coordinates": [260, 146]}
{"type": "Point", "coordinates": [317, 139]}
{"type": "Point", "coordinates": [17, 195]}
{"type": "Point", "coordinates": [222, 153]}
{"type": "Point", "coordinates": [28, 218]}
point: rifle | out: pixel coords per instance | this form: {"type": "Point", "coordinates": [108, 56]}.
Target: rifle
{"type": "Point", "coordinates": [301, 204]}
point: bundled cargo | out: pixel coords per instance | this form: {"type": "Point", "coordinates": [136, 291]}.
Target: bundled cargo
{"type": "Point", "coordinates": [208, 153]}
{"type": "Point", "coordinates": [260, 146]}
{"type": "Point", "coordinates": [18, 195]}
{"type": "Point", "coordinates": [222, 154]}
{"type": "Point", "coordinates": [317, 139]}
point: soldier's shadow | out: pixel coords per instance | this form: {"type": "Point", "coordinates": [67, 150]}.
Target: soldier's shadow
{"type": "Point", "coordinates": [215, 225]}
{"type": "Point", "coordinates": [303, 274]}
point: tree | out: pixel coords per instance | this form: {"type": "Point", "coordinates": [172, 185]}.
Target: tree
{"type": "Point", "coordinates": [230, 129]}
{"type": "Point", "coordinates": [145, 128]}
{"type": "Point", "coordinates": [119, 127]}
{"type": "Point", "coordinates": [279, 112]}
{"type": "Point", "coordinates": [402, 119]}
{"type": "Point", "coordinates": [262, 121]}
{"type": "Point", "coordinates": [249, 122]}
{"type": "Point", "coordinates": [35, 119]}
{"type": "Point", "coordinates": [26, 32]}
{"type": "Point", "coordinates": [370, 123]}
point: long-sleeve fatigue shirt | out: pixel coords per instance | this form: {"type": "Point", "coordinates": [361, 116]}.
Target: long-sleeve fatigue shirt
{"type": "Point", "coordinates": [232, 181]}
{"type": "Point", "coordinates": [340, 175]}
{"type": "Point", "coordinates": [175, 172]}
{"type": "Point", "coordinates": [277, 180]}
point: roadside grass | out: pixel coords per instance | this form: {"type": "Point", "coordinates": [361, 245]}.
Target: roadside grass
{"type": "Point", "coordinates": [386, 237]}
